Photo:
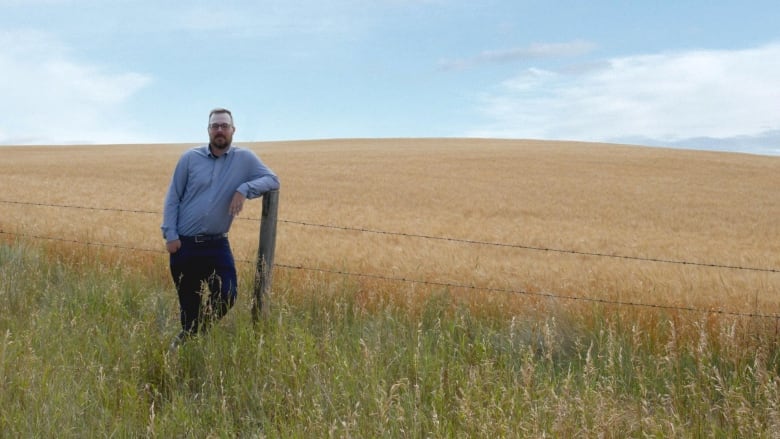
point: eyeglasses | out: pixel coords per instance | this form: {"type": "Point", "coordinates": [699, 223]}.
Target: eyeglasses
{"type": "Point", "coordinates": [216, 126]}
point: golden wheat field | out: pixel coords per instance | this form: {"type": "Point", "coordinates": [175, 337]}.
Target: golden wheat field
{"type": "Point", "coordinates": [518, 215]}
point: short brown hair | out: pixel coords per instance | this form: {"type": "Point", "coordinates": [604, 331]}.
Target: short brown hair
{"type": "Point", "coordinates": [219, 110]}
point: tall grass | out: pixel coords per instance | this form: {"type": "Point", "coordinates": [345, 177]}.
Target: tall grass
{"type": "Point", "coordinates": [83, 353]}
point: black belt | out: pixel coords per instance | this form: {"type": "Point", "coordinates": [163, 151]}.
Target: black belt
{"type": "Point", "coordinates": [203, 238]}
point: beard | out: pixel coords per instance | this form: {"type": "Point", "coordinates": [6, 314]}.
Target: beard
{"type": "Point", "coordinates": [221, 142]}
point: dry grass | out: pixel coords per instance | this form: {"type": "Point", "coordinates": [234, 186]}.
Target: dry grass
{"type": "Point", "coordinates": [703, 207]}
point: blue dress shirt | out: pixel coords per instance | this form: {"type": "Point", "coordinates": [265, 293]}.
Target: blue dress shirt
{"type": "Point", "coordinates": [203, 186]}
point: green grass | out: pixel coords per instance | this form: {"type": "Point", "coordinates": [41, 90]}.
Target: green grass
{"type": "Point", "coordinates": [83, 353]}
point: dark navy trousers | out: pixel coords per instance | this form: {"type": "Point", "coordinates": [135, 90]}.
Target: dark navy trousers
{"type": "Point", "coordinates": [205, 277]}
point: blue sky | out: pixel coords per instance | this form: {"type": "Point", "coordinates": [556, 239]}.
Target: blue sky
{"type": "Point", "coordinates": [698, 74]}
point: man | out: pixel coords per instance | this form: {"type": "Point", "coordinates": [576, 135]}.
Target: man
{"type": "Point", "coordinates": [209, 186]}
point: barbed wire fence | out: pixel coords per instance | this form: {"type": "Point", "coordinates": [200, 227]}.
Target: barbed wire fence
{"type": "Point", "coordinates": [547, 295]}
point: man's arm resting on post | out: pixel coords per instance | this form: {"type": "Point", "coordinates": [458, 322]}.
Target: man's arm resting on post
{"type": "Point", "coordinates": [256, 188]}
{"type": "Point", "coordinates": [253, 189]}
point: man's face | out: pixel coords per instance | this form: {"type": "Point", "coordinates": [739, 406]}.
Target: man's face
{"type": "Point", "coordinates": [221, 130]}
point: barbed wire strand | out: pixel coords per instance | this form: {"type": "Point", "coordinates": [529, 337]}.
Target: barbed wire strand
{"type": "Point", "coordinates": [433, 283]}
{"type": "Point", "coordinates": [544, 249]}
{"type": "Point", "coordinates": [440, 238]}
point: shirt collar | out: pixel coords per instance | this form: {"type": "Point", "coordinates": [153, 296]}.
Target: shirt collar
{"type": "Point", "coordinates": [224, 154]}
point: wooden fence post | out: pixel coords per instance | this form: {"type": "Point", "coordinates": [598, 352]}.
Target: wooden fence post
{"type": "Point", "coordinates": [265, 254]}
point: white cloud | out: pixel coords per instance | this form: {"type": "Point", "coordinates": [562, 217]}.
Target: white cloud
{"type": "Point", "coordinates": [539, 50]}
{"type": "Point", "coordinates": [667, 96]}
{"type": "Point", "coordinates": [51, 97]}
